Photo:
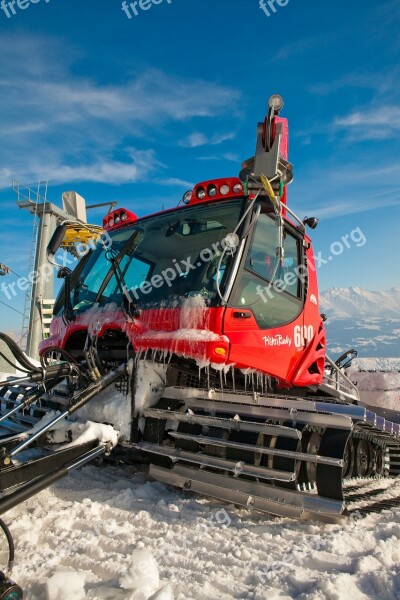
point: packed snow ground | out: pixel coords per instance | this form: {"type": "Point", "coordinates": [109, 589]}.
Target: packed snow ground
{"type": "Point", "coordinates": [76, 540]}
{"type": "Point", "coordinates": [105, 533]}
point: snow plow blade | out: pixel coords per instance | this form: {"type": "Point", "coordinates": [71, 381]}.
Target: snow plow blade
{"type": "Point", "coordinates": [12, 476]}
{"type": "Point", "coordinates": [82, 457]}
{"type": "Point", "coordinates": [252, 495]}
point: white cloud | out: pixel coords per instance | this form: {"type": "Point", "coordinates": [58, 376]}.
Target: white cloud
{"type": "Point", "coordinates": [67, 127]}
{"type": "Point", "coordinates": [380, 81]}
{"type": "Point", "coordinates": [138, 165]}
{"type": "Point", "coordinates": [388, 116]}
{"type": "Point", "coordinates": [374, 123]}
{"type": "Point", "coordinates": [220, 138]}
{"type": "Point", "coordinates": [194, 140]}
{"type": "Point", "coordinates": [306, 44]}
{"type": "Point", "coordinates": [230, 156]}
{"type": "Point", "coordinates": [345, 190]}
{"type": "Point", "coordinates": [197, 139]}
{"type": "Point", "coordinates": [175, 182]}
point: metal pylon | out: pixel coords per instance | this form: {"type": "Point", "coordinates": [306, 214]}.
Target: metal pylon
{"type": "Point", "coordinates": [25, 193]}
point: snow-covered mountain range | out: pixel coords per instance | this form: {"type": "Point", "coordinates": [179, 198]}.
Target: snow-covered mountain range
{"type": "Point", "coordinates": [354, 302]}
{"type": "Point", "coordinates": [366, 320]}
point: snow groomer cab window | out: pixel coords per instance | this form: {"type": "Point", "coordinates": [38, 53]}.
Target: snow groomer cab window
{"type": "Point", "coordinates": [270, 286]}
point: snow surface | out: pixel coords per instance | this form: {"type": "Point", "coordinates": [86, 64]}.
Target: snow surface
{"type": "Point", "coordinates": [378, 381]}
{"type": "Point", "coordinates": [377, 364]}
{"type": "Point", "coordinates": [105, 533]}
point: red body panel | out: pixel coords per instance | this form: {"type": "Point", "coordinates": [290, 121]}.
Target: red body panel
{"type": "Point", "coordinates": [293, 353]}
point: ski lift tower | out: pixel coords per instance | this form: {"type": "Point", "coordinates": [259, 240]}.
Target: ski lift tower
{"type": "Point", "coordinates": [40, 288]}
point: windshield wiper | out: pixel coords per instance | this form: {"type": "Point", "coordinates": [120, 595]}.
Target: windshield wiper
{"type": "Point", "coordinates": [129, 306]}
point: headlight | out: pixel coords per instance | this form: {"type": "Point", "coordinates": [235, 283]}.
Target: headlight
{"type": "Point", "coordinates": [212, 190]}
{"type": "Point", "coordinates": [224, 190]}
{"type": "Point", "coordinates": [187, 196]}
{"type": "Point", "coordinates": [201, 193]}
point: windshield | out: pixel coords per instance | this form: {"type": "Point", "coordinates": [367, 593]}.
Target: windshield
{"type": "Point", "coordinates": [162, 259]}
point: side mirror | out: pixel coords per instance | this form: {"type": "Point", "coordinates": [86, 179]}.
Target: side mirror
{"type": "Point", "coordinates": [55, 243]}
{"type": "Point", "coordinates": [312, 222]}
{"type": "Point", "coordinates": [344, 361]}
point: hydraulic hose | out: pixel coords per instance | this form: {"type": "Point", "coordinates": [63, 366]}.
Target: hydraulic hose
{"type": "Point", "coordinates": [18, 354]}
{"type": "Point", "coordinates": [11, 548]}
{"type": "Point", "coordinates": [16, 367]}
{"type": "Point", "coordinates": [8, 588]}
{"type": "Point", "coordinates": [37, 374]}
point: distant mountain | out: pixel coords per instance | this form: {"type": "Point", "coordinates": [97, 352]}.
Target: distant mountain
{"type": "Point", "coordinates": [362, 319]}
{"type": "Point", "coordinates": [354, 302]}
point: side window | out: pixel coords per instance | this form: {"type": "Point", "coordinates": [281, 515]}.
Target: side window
{"type": "Point", "coordinates": [290, 270]}
{"type": "Point", "coordinates": [262, 254]}
{"type": "Point", "coordinates": [136, 273]}
{"type": "Point", "coordinates": [270, 287]}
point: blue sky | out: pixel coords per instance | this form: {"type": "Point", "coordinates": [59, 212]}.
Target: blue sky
{"type": "Point", "coordinates": [137, 110]}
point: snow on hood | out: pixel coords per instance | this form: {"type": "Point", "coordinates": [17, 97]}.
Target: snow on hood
{"type": "Point", "coordinates": [90, 431]}
{"type": "Point", "coordinates": [190, 335]}
{"type": "Point", "coordinates": [150, 384]}
{"type": "Point", "coordinates": [80, 432]}
{"type": "Point", "coordinates": [116, 408]}
{"type": "Point", "coordinates": [192, 312]}
{"type": "Point", "coordinates": [110, 406]}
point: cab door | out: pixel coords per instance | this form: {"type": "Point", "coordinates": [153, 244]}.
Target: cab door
{"type": "Point", "coordinates": [265, 308]}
